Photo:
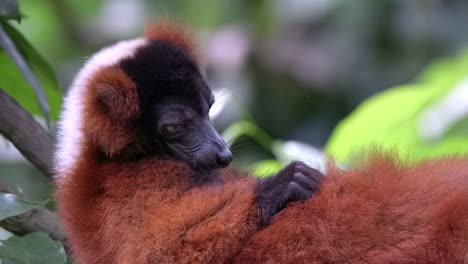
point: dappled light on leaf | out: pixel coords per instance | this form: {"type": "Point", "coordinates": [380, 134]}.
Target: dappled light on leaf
{"type": "Point", "coordinates": [11, 205]}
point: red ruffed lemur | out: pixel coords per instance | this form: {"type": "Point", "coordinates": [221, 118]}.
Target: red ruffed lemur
{"type": "Point", "coordinates": [142, 178]}
{"type": "Point", "coordinates": [141, 174]}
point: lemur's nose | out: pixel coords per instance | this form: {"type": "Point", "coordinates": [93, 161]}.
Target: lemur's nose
{"type": "Point", "coordinates": [224, 157]}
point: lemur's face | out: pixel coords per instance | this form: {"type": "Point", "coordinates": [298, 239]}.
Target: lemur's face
{"type": "Point", "coordinates": [187, 134]}
{"type": "Point", "coordinates": [175, 102]}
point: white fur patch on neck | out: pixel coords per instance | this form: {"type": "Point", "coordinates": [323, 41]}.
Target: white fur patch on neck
{"type": "Point", "coordinates": [69, 132]}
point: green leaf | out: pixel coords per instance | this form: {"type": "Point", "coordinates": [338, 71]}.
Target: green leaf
{"type": "Point", "coordinates": [9, 9]}
{"type": "Point", "coordinates": [33, 248]}
{"type": "Point", "coordinates": [391, 119]}
{"type": "Point", "coordinates": [11, 205]}
{"type": "Point", "coordinates": [13, 82]}
{"type": "Point", "coordinates": [8, 45]}
{"type": "Point", "coordinates": [26, 181]}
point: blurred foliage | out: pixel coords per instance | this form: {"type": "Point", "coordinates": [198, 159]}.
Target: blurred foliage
{"type": "Point", "coordinates": [392, 119]}
{"type": "Point", "coordinates": [283, 152]}
{"type": "Point", "coordinates": [13, 82]}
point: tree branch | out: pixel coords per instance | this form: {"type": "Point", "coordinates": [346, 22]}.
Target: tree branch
{"type": "Point", "coordinates": [36, 144]}
{"type": "Point", "coordinates": [30, 138]}
{"type": "Point", "coordinates": [38, 219]}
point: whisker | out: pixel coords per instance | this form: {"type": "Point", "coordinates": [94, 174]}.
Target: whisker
{"type": "Point", "coordinates": [241, 145]}
{"type": "Point", "coordinates": [232, 141]}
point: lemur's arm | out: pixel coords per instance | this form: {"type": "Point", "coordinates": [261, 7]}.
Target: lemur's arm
{"type": "Point", "coordinates": [295, 182]}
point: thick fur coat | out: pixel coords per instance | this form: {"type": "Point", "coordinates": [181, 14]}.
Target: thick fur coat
{"type": "Point", "coordinates": [122, 202]}
{"type": "Point", "coordinates": [149, 211]}
{"type": "Point", "coordinates": [379, 213]}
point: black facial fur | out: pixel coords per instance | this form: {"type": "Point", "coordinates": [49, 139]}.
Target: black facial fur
{"type": "Point", "coordinates": [175, 101]}
{"type": "Point", "coordinates": [161, 69]}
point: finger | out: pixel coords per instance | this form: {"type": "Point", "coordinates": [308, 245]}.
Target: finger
{"type": "Point", "coordinates": [298, 193]}
{"type": "Point", "coordinates": [305, 180]}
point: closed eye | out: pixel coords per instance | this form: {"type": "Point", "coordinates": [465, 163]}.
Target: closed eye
{"type": "Point", "coordinates": [172, 130]}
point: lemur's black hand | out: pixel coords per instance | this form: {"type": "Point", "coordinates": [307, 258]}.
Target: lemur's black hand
{"type": "Point", "coordinates": [295, 182]}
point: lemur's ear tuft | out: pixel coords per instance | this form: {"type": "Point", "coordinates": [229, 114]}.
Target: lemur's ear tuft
{"type": "Point", "coordinates": [116, 93]}
{"type": "Point", "coordinates": [108, 96]}
{"type": "Point", "coordinates": [112, 104]}
{"type": "Point", "coordinates": [173, 32]}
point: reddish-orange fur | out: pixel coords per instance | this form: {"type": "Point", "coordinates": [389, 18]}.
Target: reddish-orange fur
{"type": "Point", "coordinates": [111, 103]}
{"type": "Point", "coordinates": [173, 32]}
{"type": "Point", "coordinates": [381, 213]}
{"type": "Point", "coordinates": [150, 211]}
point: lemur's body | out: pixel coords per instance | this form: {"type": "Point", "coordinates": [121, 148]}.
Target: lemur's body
{"type": "Point", "coordinates": [154, 213]}
{"type": "Point", "coordinates": [138, 162]}
{"type": "Point", "coordinates": [140, 181]}
{"type": "Point", "coordinates": [380, 213]}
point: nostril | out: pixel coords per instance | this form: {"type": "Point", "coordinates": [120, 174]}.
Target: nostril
{"type": "Point", "coordinates": [224, 158]}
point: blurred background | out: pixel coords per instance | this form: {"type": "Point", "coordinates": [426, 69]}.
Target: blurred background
{"type": "Point", "coordinates": [295, 79]}
{"type": "Point", "coordinates": [293, 69]}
